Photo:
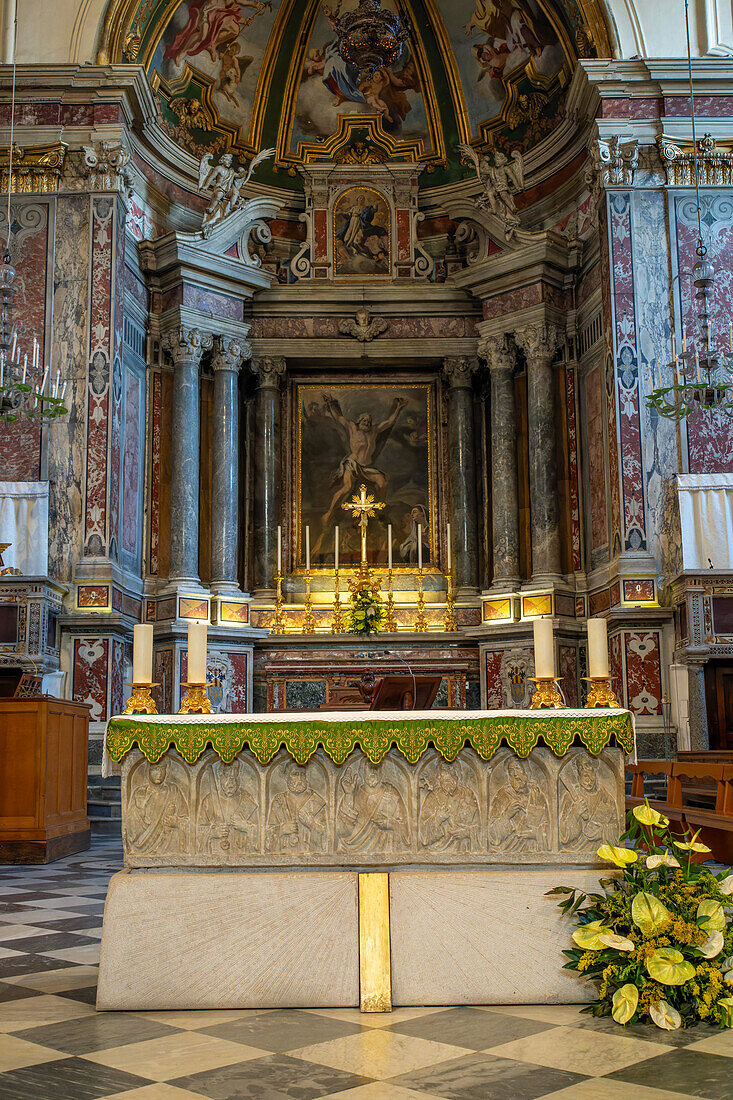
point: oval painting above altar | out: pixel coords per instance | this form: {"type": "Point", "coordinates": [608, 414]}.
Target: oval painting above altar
{"type": "Point", "coordinates": [361, 233]}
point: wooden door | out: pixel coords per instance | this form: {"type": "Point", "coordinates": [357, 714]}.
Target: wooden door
{"type": "Point", "coordinates": [721, 728]}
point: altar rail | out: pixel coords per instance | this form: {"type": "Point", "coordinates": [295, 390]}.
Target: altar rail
{"type": "Point", "coordinates": [688, 784]}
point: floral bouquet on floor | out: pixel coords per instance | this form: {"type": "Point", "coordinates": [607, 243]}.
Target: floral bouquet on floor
{"type": "Point", "coordinates": [659, 940]}
{"type": "Point", "coordinates": [366, 613]}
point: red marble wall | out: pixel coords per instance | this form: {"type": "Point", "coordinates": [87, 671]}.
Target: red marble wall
{"type": "Point", "coordinates": [494, 689]}
{"type": "Point", "coordinates": [595, 406]}
{"type": "Point", "coordinates": [131, 462]}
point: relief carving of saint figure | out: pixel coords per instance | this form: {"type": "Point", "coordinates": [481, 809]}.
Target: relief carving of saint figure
{"type": "Point", "coordinates": [229, 817]}
{"type": "Point", "coordinates": [519, 813]}
{"type": "Point", "coordinates": [371, 816]}
{"type": "Point", "coordinates": [157, 814]}
{"type": "Point", "coordinates": [588, 811]}
{"type": "Point", "coordinates": [297, 818]}
{"type": "Point", "coordinates": [449, 816]}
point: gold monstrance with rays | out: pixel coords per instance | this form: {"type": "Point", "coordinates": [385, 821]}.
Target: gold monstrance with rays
{"type": "Point", "coordinates": [363, 507]}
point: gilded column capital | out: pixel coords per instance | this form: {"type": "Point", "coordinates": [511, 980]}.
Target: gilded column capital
{"type": "Point", "coordinates": [458, 371]}
{"type": "Point", "coordinates": [229, 353]}
{"type": "Point", "coordinates": [268, 370]}
{"type": "Point", "coordinates": [186, 343]}
{"type": "Point", "coordinates": [539, 342]}
{"type": "Point", "coordinates": [499, 352]}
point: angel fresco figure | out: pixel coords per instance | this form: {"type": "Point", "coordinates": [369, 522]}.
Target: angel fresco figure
{"type": "Point", "coordinates": [212, 25]}
{"type": "Point", "coordinates": [500, 178]}
{"type": "Point", "coordinates": [225, 184]}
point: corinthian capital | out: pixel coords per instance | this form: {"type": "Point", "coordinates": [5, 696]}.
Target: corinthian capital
{"type": "Point", "coordinates": [269, 370]}
{"type": "Point", "coordinates": [539, 342]}
{"type": "Point", "coordinates": [186, 343]}
{"type": "Point", "coordinates": [458, 371]}
{"type": "Point", "coordinates": [499, 352]}
{"type": "Point", "coordinates": [229, 353]}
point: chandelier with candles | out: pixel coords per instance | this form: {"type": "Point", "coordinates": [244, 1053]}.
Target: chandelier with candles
{"type": "Point", "coordinates": [701, 383]}
{"type": "Point", "coordinates": [369, 37]}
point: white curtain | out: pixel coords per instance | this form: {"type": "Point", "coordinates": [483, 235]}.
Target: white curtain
{"type": "Point", "coordinates": [706, 515]}
{"type": "Point", "coordinates": [24, 524]}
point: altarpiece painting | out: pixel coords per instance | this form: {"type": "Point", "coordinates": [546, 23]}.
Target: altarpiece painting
{"type": "Point", "coordinates": [382, 437]}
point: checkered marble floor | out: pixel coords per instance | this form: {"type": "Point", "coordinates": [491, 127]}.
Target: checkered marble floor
{"type": "Point", "coordinates": [54, 1046]}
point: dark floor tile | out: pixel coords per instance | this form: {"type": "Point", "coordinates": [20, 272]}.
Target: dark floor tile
{"type": "Point", "coordinates": [484, 1077]}
{"type": "Point", "coordinates": [15, 992]}
{"type": "Point", "coordinates": [54, 941]}
{"type": "Point", "coordinates": [11, 907]}
{"type": "Point", "coordinates": [92, 907]}
{"type": "Point", "coordinates": [68, 1079]}
{"type": "Point", "coordinates": [87, 996]}
{"type": "Point", "coordinates": [688, 1071]}
{"type": "Point", "coordinates": [648, 1031]}
{"type": "Point", "coordinates": [283, 1030]}
{"type": "Point", "coordinates": [70, 924]}
{"type": "Point", "coordinates": [276, 1077]}
{"type": "Point", "coordinates": [30, 964]}
{"type": "Point", "coordinates": [100, 1032]}
{"type": "Point", "coordinates": [469, 1027]}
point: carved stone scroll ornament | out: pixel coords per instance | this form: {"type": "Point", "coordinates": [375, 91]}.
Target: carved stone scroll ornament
{"type": "Point", "coordinates": [106, 163]}
{"type": "Point", "coordinates": [539, 342]}
{"type": "Point", "coordinates": [229, 353]}
{"type": "Point", "coordinates": [363, 327]}
{"type": "Point", "coordinates": [501, 177]}
{"type": "Point", "coordinates": [715, 165]}
{"type": "Point", "coordinates": [498, 352]}
{"type": "Point", "coordinates": [187, 343]}
{"type": "Point", "coordinates": [225, 185]}
{"type": "Point", "coordinates": [614, 162]}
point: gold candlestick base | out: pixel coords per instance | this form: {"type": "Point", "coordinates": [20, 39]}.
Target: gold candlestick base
{"type": "Point", "coordinates": [601, 693]}
{"type": "Point", "coordinates": [141, 701]}
{"type": "Point", "coordinates": [546, 694]}
{"type": "Point", "coordinates": [278, 623]}
{"type": "Point", "coordinates": [450, 623]}
{"type": "Point", "coordinates": [309, 623]}
{"type": "Point", "coordinates": [421, 623]}
{"type": "Point", "coordinates": [337, 626]}
{"type": "Point", "coordinates": [196, 700]}
{"type": "Point", "coordinates": [390, 623]}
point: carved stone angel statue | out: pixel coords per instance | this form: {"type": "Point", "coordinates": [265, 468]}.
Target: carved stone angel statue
{"type": "Point", "coordinates": [500, 177]}
{"type": "Point", "coordinates": [225, 184]}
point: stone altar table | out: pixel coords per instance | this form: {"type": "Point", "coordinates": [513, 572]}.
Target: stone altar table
{"type": "Point", "coordinates": [249, 835]}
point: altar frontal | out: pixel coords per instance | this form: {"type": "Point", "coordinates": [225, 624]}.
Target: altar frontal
{"type": "Point", "coordinates": [410, 851]}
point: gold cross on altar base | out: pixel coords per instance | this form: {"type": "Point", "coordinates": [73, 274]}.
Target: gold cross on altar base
{"type": "Point", "coordinates": [364, 507]}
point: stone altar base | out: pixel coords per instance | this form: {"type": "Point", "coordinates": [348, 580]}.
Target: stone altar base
{"type": "Point", "coordinates": [290, 939]}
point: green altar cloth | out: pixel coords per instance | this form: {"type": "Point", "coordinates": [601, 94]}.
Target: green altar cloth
{"type": "Point", "coordinates": [339, 733]}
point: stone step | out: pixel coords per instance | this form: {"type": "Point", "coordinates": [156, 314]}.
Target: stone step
{"type": "Point", "coordinates": [105, 826]}
{"type": "Point", "coordinates": [103, 809]}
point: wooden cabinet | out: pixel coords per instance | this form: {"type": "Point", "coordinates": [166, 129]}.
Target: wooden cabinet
{"type": "Point", "coordinates": [43, 779]}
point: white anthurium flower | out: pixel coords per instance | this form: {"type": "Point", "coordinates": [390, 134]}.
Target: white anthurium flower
{"type": "Point", "coordinates": [665, 1016]}
{"type": "Point", "coordinates": [713, 945]}
{"type": "Point", "coordinates": [661, 859]}
{"type": "Point", "coordinates": [726, 886]}
{"type": "Point", "coordinates": [727, 964]}
{"type": "Point", "coordinates": [621, 943]}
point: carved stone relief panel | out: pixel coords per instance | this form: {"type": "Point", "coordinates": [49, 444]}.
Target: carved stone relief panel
{"type": "Point", "coordinates": [228, 809]}
{"type": "Point", "coordinates": [297, 808]}
{"type": "Point", "coordinates": [449, 805]}
{"type": "Point", "coordinates": [587, 792]}
{"type": "Point", "coordinates": [373, 807]}
{"type": "Point", "coordinates": [156, 820]}
{"type": "Point", "coordinates": [519, 814]}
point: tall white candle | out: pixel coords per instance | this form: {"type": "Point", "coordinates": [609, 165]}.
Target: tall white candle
{"type": "Point", "coordinates": [544, 650]}
{"type": "Point", "coordinates": [142, 654]}
{"type": "Point", "coordinates": [307, 547]}
{"type": "Point", "coordinates": [597, 648]}
{"type": "Point", "coordinates": [389, 545]}
{"type": "Point", "coordinates": [419, 546]}
{"type": "Point", "coordinates": [336, 547]}
{"type": "Point", "coordinates": [197, 653]}
{"type": "Point", "coordinates": [279, 549]}
{"type": "Point", "coordinates": [447, 542]}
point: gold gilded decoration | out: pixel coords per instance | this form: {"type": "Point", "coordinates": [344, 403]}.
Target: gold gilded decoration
{"type": "Point", "coordinates": [337, 623]}
{"type": "Point", "coordinates": [390, 623]}
{"type": "Point", "coordinates": [35, 168]}
{"type": "Point", "coordinates": [601, 693]}
{"type": "Point", "coordinates": [411, 736]}
{"type": "Point", "coordinates": [363, 508]}
{"type": "Point", "coordinates": [278, 622]}
{"type": "Point", "coordinates": [546, 694]}
{"type": "Point", "coordinates": [536, 605]}
{"type": "Point", "coordinates": [450, 605]}
{"type": "Point", "coordinates": [498, 610]}
{"type": "Point", "coordinates": [375, 974]}
{"type": "Point", "coordinates": [421, 623]}
{"type": "Point", "coordinates": [196, 700]}
{"type": "Point", "coordinates": [361, 152]}
{"type": "Point", "coordinates": [309, 623]}
{"type": "Point", "coordinates": [715, 162]}
{"type": "Point", "coordinates": [232, 612]}
{"type": "Point", "coordinates": [141, 701]}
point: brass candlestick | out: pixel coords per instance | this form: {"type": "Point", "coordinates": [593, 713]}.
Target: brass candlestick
{"type": "Point", "coordinates": [141, 701]}
{"type": "Point", "coordinates": [390, 624]}
{"type": "Point", "coordinates": [421, 623]}
{"type": "Point", "coordinates": [278, 623]}
{"type": "Point", "coordinates": [309, 624]}
{"type": "Point", "coordinates": [601, 693]}
{"type": "Point", "coordinates": [196, 700]}
{"type": "Point", "coordinates": [547, 693]}
{"type": "Point", "coordinates": [450, 603]}
{"type": "Point", "coordinates": [337, 626]}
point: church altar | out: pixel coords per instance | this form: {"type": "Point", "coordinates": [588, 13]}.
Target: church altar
{"type": "Point", "coordinates": [340, 859]}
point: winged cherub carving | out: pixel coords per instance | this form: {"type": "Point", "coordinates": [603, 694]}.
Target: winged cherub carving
{"type": "Point", "coordinates": [501, 178]}
{"type": "Point", "coordinates": [362, 327]}
{"type": "Point", "coordinates": [225, 184]}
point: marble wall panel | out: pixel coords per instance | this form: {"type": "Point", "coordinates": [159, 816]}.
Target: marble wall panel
{"type": "Point", "coordinates": [494, 689]}
{"type": "Point", "coordinates": [568, 670]}
{"type": "Point", "coordinates": [543, 809]}
{"type": "Point", "coordinates": [91, 668]}
{"type": "Point", "coordinates": [609, 386]}
{"type": "Point", "coordinates": [99, 379]}
{"type": "Point", "coordinates": [616, 667]}
{"type": "Point", "coordinates": [155, 470]}
{"type": "Point", "coordinates": [595, 404]}
{"type": "Point", "coordinates": [132, 463]}
{"type": "Point", "coordinates": [573, 489]}
{"type": "Point", "coordinates": [643, 671]}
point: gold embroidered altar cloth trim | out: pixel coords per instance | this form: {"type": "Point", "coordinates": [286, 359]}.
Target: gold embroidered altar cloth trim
{"type": "Point", "coordinates": [340, 733]}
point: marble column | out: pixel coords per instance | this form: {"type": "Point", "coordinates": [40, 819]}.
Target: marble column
{"type": "Point", "coordinates": [539, 343]}
{"type": "Point", "coordinates": [500, 356]}
{"type": "Point", "coordinates": [267, 471]}
{"type": "Point", "coordinates": [185, 347]}
{"type": "Point", "coordinates": [458, 373]}
{"type": "Point", "coordinates": [697, 706]}
{"type": "Point", "coordinates": [229, 353]}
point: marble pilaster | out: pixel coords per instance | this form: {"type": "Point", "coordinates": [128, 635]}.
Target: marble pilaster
{"type": "Point", "coordinates": [229, 354]}
{"type": "Point", "coordinates": [458, 373]}
{"type": "Point", "coordinates": [186, 347]}
{"type": "Point", "coordinates": [539, 343]}
{"type": "Point", "coordinates": [500, 356]}
{"type": "Point", "coordinates": [269, 371]}
{"type": "Point", "coordinates": [697, 706]}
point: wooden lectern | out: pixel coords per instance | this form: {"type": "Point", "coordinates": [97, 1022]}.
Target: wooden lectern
{"type": "Point", "coordinates": [406, 693]}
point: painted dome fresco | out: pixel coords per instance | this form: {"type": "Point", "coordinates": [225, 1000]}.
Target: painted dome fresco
{"type": "Point", "coordinates": [243, 75]}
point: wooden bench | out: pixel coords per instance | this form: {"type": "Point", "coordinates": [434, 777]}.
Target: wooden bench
{"type": "Point", "coordinates": [685, 780]}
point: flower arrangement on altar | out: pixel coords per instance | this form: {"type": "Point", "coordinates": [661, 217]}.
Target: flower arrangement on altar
{"type": "Point", "coordinates": [659, 940]}
{"type": "Point", "coordinates": [365, 614]}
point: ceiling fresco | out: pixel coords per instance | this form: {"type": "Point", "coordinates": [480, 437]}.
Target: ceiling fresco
{"type": "Point", "coordinates": [243, 75]}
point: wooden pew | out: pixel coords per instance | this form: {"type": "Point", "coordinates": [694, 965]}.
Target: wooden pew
{"type": "Point", "coordinates": [685, 780]}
